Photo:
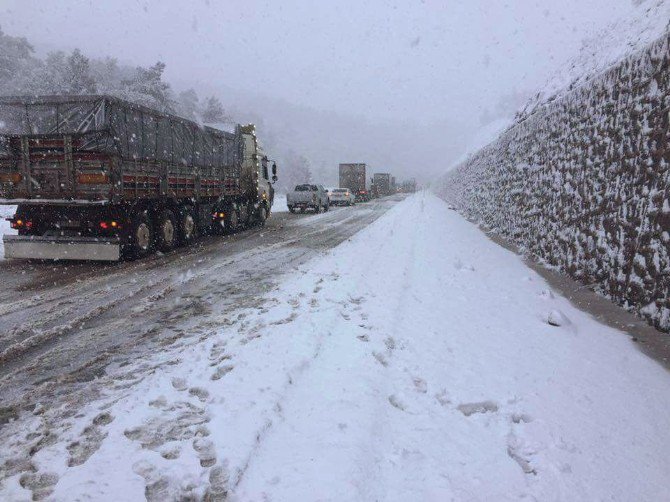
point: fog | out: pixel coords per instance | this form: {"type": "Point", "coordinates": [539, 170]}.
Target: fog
{"type": "Point", "coordinates": [399, 85]}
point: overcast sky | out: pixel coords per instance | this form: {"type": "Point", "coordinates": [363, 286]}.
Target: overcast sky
{"type": "Point", "coordinates": [421, 61]}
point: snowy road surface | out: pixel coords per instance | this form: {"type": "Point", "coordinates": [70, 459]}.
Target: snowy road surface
{"type": "Point", "coordinates": [413, 361]}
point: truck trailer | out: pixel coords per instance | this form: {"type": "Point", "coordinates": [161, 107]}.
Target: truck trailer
{"type": "Point", "coordinates": [382, 183]}
{"type": "Point", "coordinates": [97, 178]}
{"type": "Point", "coordinates": [352, 176]}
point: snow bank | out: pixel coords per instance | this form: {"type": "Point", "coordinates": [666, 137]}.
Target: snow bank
{"type": "Point", "coordinates": [5, 212]}
{"type": "Point", "coordinates": [412, 362]}
{"type": "Point", "coordinates": [583, 183]}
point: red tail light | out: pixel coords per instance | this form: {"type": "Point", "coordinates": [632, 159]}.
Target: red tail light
{"type": "Point", "coordinates": [20, 223]}
{"type": "Point", "coordinates": [112, 224]}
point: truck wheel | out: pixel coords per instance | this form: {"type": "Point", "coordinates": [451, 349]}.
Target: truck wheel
{"type": "Point", "coordinates": [232, 221]}
{"type": "Point", "coordinates": [188, 229]}
{"type": "Point", "coordinates": [291, 210]}
{"type": "Point", "coordinates": [302, 209]}
{"type": "Point", "coordinates": [262, 215]}
{"type": "Point", "coordinates": [167, 230]}
{"type": "Point", "coordinates": [317, 209]}
{"type": "Point", "coordinates": [141, 235]}
{"type": "Point", "coordinates": [325, 209]}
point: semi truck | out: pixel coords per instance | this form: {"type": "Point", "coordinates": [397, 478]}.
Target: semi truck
{"type": "Point", "coordinates": [352, 176]}
{"type": "Point", "coordinates": [99, 178]}
{"type": "Point", "coordinates": [382, 182]}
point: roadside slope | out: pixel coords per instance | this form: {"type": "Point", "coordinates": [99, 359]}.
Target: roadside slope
{"type": "Point", "coordinates": [411, 362]}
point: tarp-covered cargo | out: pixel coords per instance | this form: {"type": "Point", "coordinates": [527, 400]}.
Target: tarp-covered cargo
{"type": "Point", "coordinates": [56, 146]}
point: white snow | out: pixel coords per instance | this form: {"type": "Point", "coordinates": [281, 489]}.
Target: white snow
{"type": "Point", "coordinates": [412, 362]}
{"type": "Point", "coordinates": [639, 24]}
{"type": "Point", "coordinates": [5, 212]}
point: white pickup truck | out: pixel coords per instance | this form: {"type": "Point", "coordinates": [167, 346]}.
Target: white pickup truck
{"type": "Point", "coordinates": [308, 196]}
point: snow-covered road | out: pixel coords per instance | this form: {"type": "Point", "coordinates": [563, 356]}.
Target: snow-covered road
{"type": "Point", "coordinates": [413, 361]}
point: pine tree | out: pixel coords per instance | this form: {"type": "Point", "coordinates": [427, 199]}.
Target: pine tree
{"type": "Point", "coordinates": [148, 88]}
{"type": "Point", "coordinates": [188, 104]}
{"type": "Point", "coordinates": [213, 111]}
{"type": "Point", "coordinates": [78, 74]}
{"type": "Point", "coordinates": [17, 63]}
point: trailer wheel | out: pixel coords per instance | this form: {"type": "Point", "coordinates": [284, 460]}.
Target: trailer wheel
{"type": "Point", "coordinates": [188, 229]}
{"type": "Point", "coordinates": [167, 230]}
{"type": "Point", "coordinates": [141, 235]}
{"type": "Point", "coordinates": [232, 221]}
{"type": "Point", "coordinates": [262, 215]}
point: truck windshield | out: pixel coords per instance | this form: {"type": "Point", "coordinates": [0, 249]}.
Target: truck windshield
{"type": "Point", "coordinates": [305, 188]}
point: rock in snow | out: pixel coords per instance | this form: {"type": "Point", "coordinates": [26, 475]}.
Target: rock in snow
{"type": "Point", "coordinates": [558, 318]}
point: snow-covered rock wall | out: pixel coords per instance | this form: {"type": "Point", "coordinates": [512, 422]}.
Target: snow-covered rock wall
{"type": "Point", "coordinates": [583, 183]}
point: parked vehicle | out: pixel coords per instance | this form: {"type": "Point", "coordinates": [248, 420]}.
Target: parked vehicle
{"type": "Point", "coordinates": [96, 177]}
{"type": "Point", "coordinates": [352, 176]}
{"type": "Point", "coordinates": [342, 197]}
{"type": "Point", "coordinates": [308, 196]}
{"type": "Point", "coordinates": [382, 182]}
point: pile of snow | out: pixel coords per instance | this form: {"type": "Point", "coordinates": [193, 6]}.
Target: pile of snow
{"type": "Point", "coordinates": [5, 212]}
{"type": "Point", "coordinates": [412, 362]}
{"type": "Point", "coordinates": [643, 22]}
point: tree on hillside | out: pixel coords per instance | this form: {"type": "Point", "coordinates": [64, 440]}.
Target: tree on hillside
{"type": "Point", "coordinates": [108, 75]}
{"type": "Point", "coordinates": [188, 104]}
{"type": "Point", "coordinates": [148, 88]}
{"type": "Point", "coordinates": [78, 74]}
{"type": "Point", "coordinates": [17, 62]}
{"type": "Point", "coordinates": [295, 169]}
{"type": "Point", "coordinates": [63, 74]}
{"type": "Point", "coordinates": [213, 111]}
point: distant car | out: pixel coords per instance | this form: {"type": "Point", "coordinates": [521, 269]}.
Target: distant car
{"type": "Point", "coordinates": [342, 197]}
{"type": "Point", "coordinates": [329, 190]}
{"type": "Point", "coordinates": [308, 196]}
{"type": "Point", "coordinates": [363, 196]}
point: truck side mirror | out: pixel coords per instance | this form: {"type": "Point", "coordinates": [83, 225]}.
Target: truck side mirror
{"type": "Point", "coordinates": [274, 169]}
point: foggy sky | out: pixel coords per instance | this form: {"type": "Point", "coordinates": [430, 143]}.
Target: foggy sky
{"type": "Point", "coordinates": [421, 61]}
{"type": "Point", "coordinates": [408, 81]}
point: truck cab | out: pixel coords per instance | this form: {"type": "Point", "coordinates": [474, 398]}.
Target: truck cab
{"type": "Point", "coordinates": [256, 178]}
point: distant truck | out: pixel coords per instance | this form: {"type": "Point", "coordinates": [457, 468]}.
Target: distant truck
{"type": "Point", "coordinates": [352, 176]}
{"type": "Point", "coordinates": [408, 186]}
{"type": "Point", "coordinates": [308, 196]}
{"type": "Point", "coordinates": [96, 178]}
{"type": "Point", "coordinates": [382, 182]}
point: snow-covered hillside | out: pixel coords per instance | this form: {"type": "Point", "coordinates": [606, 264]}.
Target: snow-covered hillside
{"type": "Point", "coordinates": [412, 362]}
{"type": "Point", "coordinates": [581, 180]}
{"type": "Point", "coordinates": [644, 22]}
